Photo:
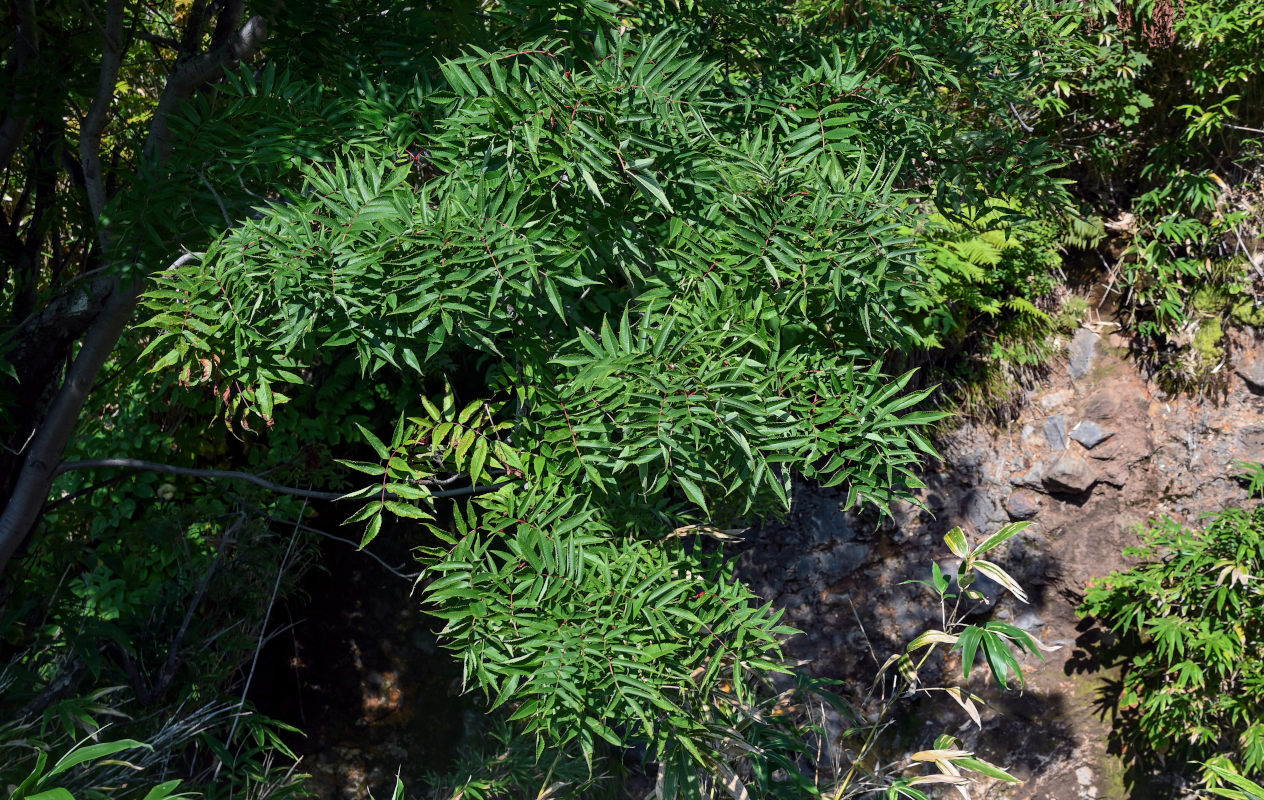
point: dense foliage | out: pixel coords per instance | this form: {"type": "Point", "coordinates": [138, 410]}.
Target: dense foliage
{"type": "Point", "coordinates": [1191, 628]}
{"type": "Point", "coordinates": [577, 289]}
{"type": "Point", "coordinates": [1165, 137]}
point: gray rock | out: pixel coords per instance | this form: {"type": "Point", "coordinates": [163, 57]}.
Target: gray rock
{"type": "Point", "coordinates": [1056, 432]}
{"type": "Point", "coordinates": [1032, 479]}
{"type": "Point", "coordinates": [1090, 434]}
{"type": "Point", "coordinates": [1083, 350]}
{"type": "Point", "coordinates": [1030, 621]}
{"type": "Point", "coordinates": [1249, 363]}
{"type": "Point", "coordinates": [1055, 399]}
{"type": "Point", "coordinates": [1252, 371]}
{"type": "Point", "coordinates": [1022, 504]}
{"type": "Point", "coordinates": [825, 567]}
{"type": "Point", "coordinates": [1251, 442]}
{"type": "Point", "coordinates": [978, 509]}
{"type": "Point", "coordinates": [1070, 474]}
{"type": "Point", "coordinates": [1104, 404]}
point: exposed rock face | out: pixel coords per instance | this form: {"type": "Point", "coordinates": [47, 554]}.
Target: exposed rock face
{"type": "Point", "coordinates": [1055, 399]}
{"type": "Point", "coordinates": [1104, 404]}
{"type": "Point", "coordinates": [1022, 504]}
{"type": "Point", "coordinates": [1252, 371]}
{"type": "Point", "coordinates": [1032, 478]}
{"type": "Point", "coordinates": [1127, 453]}
{"type": "Point", "coordinates": [817, 545]}
{"type": "Point", "coordinates": [1070, 474]}
{"type": "Point", "coordinates": [990, 589]}
{"type": "Point", "coordinates": [1083, 351]}
{"type": "Point", "coordinates": [1251, 441]}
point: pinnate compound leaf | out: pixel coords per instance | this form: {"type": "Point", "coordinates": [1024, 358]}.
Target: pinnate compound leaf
{"type": "Point", "coordinates": [371, 530]}
{"type": "Point", "coordinates": [381, 449]}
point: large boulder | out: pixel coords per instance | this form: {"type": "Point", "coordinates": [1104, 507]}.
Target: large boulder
{"type": "Point", "coordinates": [1070, 474]}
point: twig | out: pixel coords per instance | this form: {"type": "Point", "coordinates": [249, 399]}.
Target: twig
{"type": "Point", "coordinates": [163, 41]}
{"type": "Point", "coordinates": [228, 474]}
{"type": "Point", "coordinates": [869, 644]}
{"type": "Point", "coordinates": [18, 452]}
{"type": "Point", "coordinates": [1113, 272]}
{"type": "Point", "coordinates": [192, 472]}
{"type": "Point", "coordinates": [173, 657]}
{"type": "Point", "coordinates": [1021, 121]}
{"type": "Point", "coordinates": [267, 616]}
{"type": "Point", "coordinates": [394, 571]}
{"type": "Point", "coordinates": [218, 201]}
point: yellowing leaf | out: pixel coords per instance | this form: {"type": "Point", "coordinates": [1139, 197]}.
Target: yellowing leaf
{"type": "Point", "coordinates": [955, 780]}
{"type": "Point", "coordinates": [931, 637]}
{"type": "Point", "coordinates": [966, 702]}
{"type": "Point", "coordinates": [942, 754]}
{"type": "Point", "coordinates": [1000, 576]}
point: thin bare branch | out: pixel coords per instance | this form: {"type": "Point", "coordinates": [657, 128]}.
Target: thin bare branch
{"type": "Point", "coordinates": [228, 474]}
{"type": "Point", "coordinates": [161, 41]}
{"type": "Point", "coordinates": [411, 577]}
{"type": "Point", "coordinates": [193, 472]}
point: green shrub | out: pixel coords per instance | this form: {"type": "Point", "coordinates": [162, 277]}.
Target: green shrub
{"type": "Point", "coordinates": [1191, 618]}
{"type": "Point", "coordinates": [990, 276]}
{"type": "Point", "coordinates": [985, 271]}
{"type": "Point", "coordinates": [1167, 125]}
{"type": "Point", "coordinates": [1224, 779]}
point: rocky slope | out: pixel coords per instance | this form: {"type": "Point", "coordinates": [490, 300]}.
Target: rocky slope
{"type": "Point", "coordinates": [1095, 452]}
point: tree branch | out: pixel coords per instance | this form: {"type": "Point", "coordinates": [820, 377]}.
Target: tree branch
{"type": "Point", "coordinates": [193, 472]}
{"type": "Point", "coordinates": [25, 50]}
{"type": "Point", "coordinates": [174, 658]}
{"type": "Point", "coordinates": [31, 489]}
{"type": "Point", "coordinates": [38, 470]}
{"type": "Point", "coordinates": [94, 123]}
{"type": "Point", "coordinates": [193, 72]}
{"type": "Point", "coordinates": [394, 571]}
{"type": "Point", "coordinates": [234, 475]}
{"type": "Point", "coordinates": [161, 41]}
